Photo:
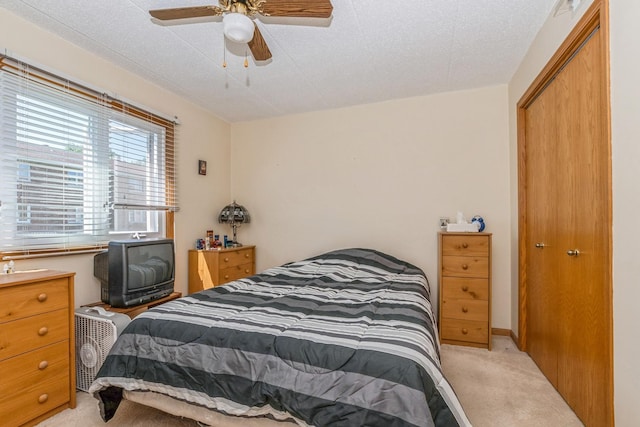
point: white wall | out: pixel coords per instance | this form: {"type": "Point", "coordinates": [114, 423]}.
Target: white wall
{"type": "Point", "coordinates": [201, 136]}
{"type": "Point", "coordinates": [625, 114]}
{"type": "Point", "coordinates": [377, 176]}
{"type": "Point", "coordinates": [625, 111]}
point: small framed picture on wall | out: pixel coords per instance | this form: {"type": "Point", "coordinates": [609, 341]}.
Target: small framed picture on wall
{"type": "Point", "coordinates": [202, 167]}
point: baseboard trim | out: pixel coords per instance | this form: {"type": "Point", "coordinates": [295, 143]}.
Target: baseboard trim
{"type": "Point", "coordinates": [506, 333]}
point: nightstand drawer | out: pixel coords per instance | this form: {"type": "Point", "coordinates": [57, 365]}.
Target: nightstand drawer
{"type": "Point", "coordinates": [465, 309]}
{"type": "Point", "coordinates": [236, 257]}
{"type": "Point", "coordinates": [234, 273]}
{"type": "Point", "coordinates": [23, 335]}
{"type": "Point", "coordinates": [22, 301]}
{"type": "Point", "coordinates": [466, 245]}
{"type": "Point", "coordinates": [465, 266]}
{"type": "Point", "coordinates": [465, 288]}
{"type": "Point", "coordinates": [465, 330]}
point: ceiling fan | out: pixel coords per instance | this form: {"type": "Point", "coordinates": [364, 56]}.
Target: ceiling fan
{"type": "Point", "coordinates": [238, 25]}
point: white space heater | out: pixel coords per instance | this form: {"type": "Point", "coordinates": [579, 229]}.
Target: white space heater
{"type": "Point", "coordinates": [96, 331]}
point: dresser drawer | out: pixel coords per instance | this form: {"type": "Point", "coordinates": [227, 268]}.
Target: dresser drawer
{"type": "Point", "coordinates": [31, 401]}
{"type": "Point", "coordinates": [27, 334]}
{"type": "Point", "coordinates": [235, 258]}
{"type": "Point", "coordinates": [465, 330]}
{"type": "Point", "coordinates": [465, 245]}
{"type": "Point", "coordinates": [465, 309]}
{"type": "Point", "coordinates": [235, 273]}
{"type": "Point", "coordinates": [465, 288]}
{"type": "Point", "coordinates": [465, 266]}
{"type": "Point", "coordinates": [22, 301]}
{"type": "Point", "coordinates": [35, 366]}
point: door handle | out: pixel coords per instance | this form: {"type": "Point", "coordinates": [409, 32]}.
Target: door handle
{"type": "Point", "coordinates": [573, 252]}
{"type": "Point", "coordinates": [540, 245]}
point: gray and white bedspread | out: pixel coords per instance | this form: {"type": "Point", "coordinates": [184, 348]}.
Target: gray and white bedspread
{"type": "Point", "coordinates": [347, 338]}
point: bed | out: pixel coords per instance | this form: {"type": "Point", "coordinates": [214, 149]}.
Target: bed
{"type": "Point", "coordinates": [346, 338]}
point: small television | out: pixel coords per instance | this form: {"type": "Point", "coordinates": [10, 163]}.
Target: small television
{"type": "Point", "coordinates": [133, 272]}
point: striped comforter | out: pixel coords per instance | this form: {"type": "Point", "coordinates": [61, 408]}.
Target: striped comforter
{"type": "Point", "coordinates": [346, 339]}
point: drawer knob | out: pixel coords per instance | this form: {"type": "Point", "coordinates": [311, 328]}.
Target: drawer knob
{"type": "Point", "coordinates": [226, 276]}
{"type": "Point", "coordinates": [43, 398]}
{"type": "Point", "coordinates": [465, 245]}
{"type": "Point", "coordinates": [246, 270]}
{"type": "Point", "coordinates": [465, 288]}
{"type": "Point", "coordinates": [43, 331]}
{"type": "Point", "coordinates": [465, 267]}
{"type": "Point", "coordinates": [226, 260]}
{"type": "Point", "coordinates": [42, 297]}
{"type": "Point", "coordinates": [465, 331]}
{"type": "Point", "coordinates": [246, 255]}
{"type": "Point", "coordinates": [465, 309]}
{"type": "Point", "coordinates": [43, 365]}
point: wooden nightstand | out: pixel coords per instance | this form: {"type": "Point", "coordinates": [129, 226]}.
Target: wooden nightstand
{"type": "Point", "coordinates": [464, 266]}
{"type": "Point", "coordinates": [136, 309]}
{"type": "Point", "coordinates": [216, 267]}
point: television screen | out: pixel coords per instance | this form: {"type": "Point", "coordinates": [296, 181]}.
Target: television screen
{"type": "Point", "coordinates": [149, 265]}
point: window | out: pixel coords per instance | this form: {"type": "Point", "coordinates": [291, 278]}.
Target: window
{"type": "Point", "coordinates": [78, 168]}
{"type": "Point", "coordinates": [24, 213]}
{"type": "Point", "coordinates": [24, 172]}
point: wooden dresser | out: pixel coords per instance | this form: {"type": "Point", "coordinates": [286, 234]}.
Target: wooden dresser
{"type": "Point", "coordinates": [37, 346]}
{"type": "Point", "coordinates": [209, 268]}
{"type": "Point", "coordinates": [464, 264]}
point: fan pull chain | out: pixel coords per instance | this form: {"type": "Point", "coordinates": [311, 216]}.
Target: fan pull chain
{"type": "Point", "coordinates": [224, 50]}
{"type": "Point", "coordinates": [246, 60]}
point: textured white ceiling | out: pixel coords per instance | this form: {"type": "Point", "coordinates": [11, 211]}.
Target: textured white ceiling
{"type": "Point", "coordinates": [369, 51]}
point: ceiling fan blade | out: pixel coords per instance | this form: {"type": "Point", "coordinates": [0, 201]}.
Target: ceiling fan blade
{"type": "Point", "coordinates": [186, 12]}
{"type": "Point", "coordinates": [298, 8]}
{"type": "Point", "coordinates": [258, 46]}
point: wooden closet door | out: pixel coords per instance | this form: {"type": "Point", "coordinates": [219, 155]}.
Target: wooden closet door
{"type": "Point", "coordinates": [567, 228]}
{"type": "Point", "coordinates": [584, 226]}
{"type": "Point", "coordinates": [542, 200]}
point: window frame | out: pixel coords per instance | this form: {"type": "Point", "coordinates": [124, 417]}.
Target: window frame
{"type": "Point", "coordinates": [116, 106]}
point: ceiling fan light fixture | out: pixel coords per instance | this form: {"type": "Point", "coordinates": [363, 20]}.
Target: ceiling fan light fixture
{"type": "Point", "coordinates": [238, 27]}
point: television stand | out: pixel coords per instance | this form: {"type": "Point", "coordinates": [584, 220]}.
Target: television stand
{"type": "Point", "coordinates": [133, 311]}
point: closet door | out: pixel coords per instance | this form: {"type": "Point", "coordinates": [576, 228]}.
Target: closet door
{"type": "Point", "coordinates": [566, 315]}
{"type": "Point", "coordinates": [543, 313]}
{"type": "Point", "coordinates": [583, 236]}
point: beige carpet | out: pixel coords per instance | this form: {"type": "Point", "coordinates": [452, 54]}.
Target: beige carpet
{"type": "Point", "coordinates": [498, 388]}
{"type": "Point", "coordinates": [503, 387]}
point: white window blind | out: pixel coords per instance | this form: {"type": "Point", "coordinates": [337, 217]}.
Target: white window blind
{"type": "Point", "coordinates": [78, 168]}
